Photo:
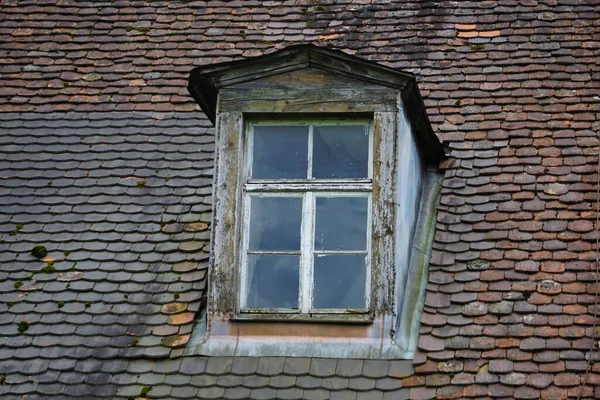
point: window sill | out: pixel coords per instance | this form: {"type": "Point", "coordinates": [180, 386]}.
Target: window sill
{"type": "Point", "coordinates": [333, 316]}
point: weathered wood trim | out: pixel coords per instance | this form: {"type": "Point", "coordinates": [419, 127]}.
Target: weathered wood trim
{"type": "Point", "coordinates": [359, 69]}
{"type": "Point", "coordinates": [226, 217]}
{"type": "Point", "coordinates": [306, 78]}
{"type": "Point", "coordinates": [384, 213]}
{"type": "Point", "coordinates": [302, 56]}
{"type": "Point", "coordinates": [231, 73]}
{"type": "Point", "coordinates": [275, 100]}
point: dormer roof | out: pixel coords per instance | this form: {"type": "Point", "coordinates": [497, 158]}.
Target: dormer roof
{"type": "Point", "coordinates": [206, 81]}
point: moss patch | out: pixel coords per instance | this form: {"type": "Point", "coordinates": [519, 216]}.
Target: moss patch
{"type": "Point", "coordinates": [48, 269]}
{"type": "Point", "coordinates": [23, 326]}
{"type": "Point", "coordinates": [145, 390]}
{"type": "Point", "coordinates": [39, 251]}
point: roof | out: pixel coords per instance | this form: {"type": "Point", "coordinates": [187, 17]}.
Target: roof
{"type": "Point", "coordinates": [93, 103]}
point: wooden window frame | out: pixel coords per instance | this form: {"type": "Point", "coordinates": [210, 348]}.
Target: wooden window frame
{"type": "Point", "coordinates": [230, 159]}
{"type": "Point", "coordinates": [308, 189]}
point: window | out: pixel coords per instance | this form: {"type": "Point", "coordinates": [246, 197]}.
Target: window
{"type": "Point", "coordinates": [322, 189]}
{"type": "Point", "coordinates": [307, 222]}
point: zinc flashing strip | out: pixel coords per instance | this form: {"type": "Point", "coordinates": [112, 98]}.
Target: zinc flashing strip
{"type": "Point", "coordinates": [407, 333]}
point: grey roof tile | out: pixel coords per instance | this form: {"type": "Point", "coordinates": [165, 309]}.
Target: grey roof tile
{"type": "Point", "coordinates": [177, 380]}
{"type": "Point", "coordinates": [97, 378]}
{"type": "Point", "coordinates": [219, 365]}
{"type": "Point", "coordinates": [349, 368]}
{"type": "Point", "coordinates": [323, 367]}
{"type": "Point", "coordinates": [227, 381]}
{"type": "Point", "coordinates": [210, 393]}
{"type": "Point", "coordinates": [167, 366]}
{"type": "Point", "coordinates": [309, 382]}
{"type": "Point", "coordinates": [193, 365]}
{"type": "Point", "coordinates": [270, 366]}
{"type": "Point", "coordinates": [150, 378]}
{"type": "Point", "coordinates": [343, 395]}
{"type": "Point", "coordinates": [244, 365]}
{"type": "Point", "coordinates": [317, 394]}
{"type": "Point", "coordinates": [263, 394]}
{"type": "Point", "coordinates": [375, 368]}
{"type": "Point", "coordinates": [335, 383]}
{"type": "Point", "coordinates": [372, 395]}
{"type": "Point", "coordinates": [362, 384]}
{"type": "Point", "coordinates": [387, 384]}
{"type": "Point", "coordinates": [24, 388]}
{"type": "Point", "coordinates": [236, 393]}
{"type": "Point", "coordinates": [63, 364]}
{"type": "Point", "coordinates": [71, 377]}
{"type": "Point", "coordinates": [115, 367]}
{"type": "Point", "coordinates": [161, 391]}
{"type": "Point", "coordinates": [189, 392]}
{"type": "Point", "coordinates": [51, 389]}
{"type": "Point", "coordinates": [255, 381]}
{"type": "Point", "coordinates": [282, 381]}
{"type": "Point", "coordinates": [124, 379]}
{"type": "Point", "coordinates": [203, 380]}
{"type": "Point", "coordinates": [140, 366]}
{"type": "Point", "coordinates": [400, 368]}
{"type": "Point", "coordinates": [290, 394]}
{"type": "Point", "coordinates": [296, 366]}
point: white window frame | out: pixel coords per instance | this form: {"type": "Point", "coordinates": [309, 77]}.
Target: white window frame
{"type": "Point", "coordinates": [308, 189]}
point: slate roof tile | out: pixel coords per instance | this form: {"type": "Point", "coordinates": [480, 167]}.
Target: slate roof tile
{"type": "Point", "coordinates": [321, 367]}
{"type": "Point", "coordinates": [343, 395]}
{"type": "Point", "coordinates": [349, 368]}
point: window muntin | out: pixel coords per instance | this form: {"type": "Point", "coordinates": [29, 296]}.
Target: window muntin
{"type": "Point", "coordinates": [306, 232]}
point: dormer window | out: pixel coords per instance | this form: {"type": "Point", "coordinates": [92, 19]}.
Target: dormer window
{"type": "Point", "coordinates": [306, 228]}
{"type": "Point", "coordinates": [320, 165]}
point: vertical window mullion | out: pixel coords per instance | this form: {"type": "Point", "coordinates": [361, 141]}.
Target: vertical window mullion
{"type": "Point", "coordinates": [250, 151]}
{"type": "Point", "coordinates": [371, 133]}
{"type": "Point", "coordinates": [310, 152]}
{"type": "Point", "coordinates": [306, 250]}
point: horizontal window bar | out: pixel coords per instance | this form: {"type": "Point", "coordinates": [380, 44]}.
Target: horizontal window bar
{"type": "Point", "coordinates": [308, 187]}
{"type": "Point", "coordinates": [311, 181]}
{"type": "Point", "coordinates": [338, 311]}
{"type": "Point", "coordinates": [341, 252]}
{"type": "Point", "coordinates": [285, 253]}
{"type": "Point", "coordinates": [270, 310]}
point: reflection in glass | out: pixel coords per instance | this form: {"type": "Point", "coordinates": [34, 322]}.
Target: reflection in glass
{"type": "Point", "coordinates": [272, 281]}
{"type": "Point", "coordinates": [340, 151]}
{"type": "Point", "coordinates": [275, 223]}
{"type": "Point", "coordinates": [341, 223]}
{"type": "Point", "coordinates": [339, 281]}
{"type": "Point", "coordinates": [280, 152]}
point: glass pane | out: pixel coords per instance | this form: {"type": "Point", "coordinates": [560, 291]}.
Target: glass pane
{"type": "Point", "coordinates": [272, 281]}
{"type": "Point", "coordinates": [341, 223]}
{"type": "Point", "coordinates": [275, 223]}
{"type": "Point", "coordinates": [340, 151]}
{"type": "Point", "coordinates": [339, 281]}
{"type": "Point", "coordinates": [280, 152]}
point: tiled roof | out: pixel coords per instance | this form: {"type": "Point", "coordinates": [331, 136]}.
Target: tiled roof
{"type": "Point", "coordinates": [121, 202]}
{"type": "Point", "coordinates": [105, 162]}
